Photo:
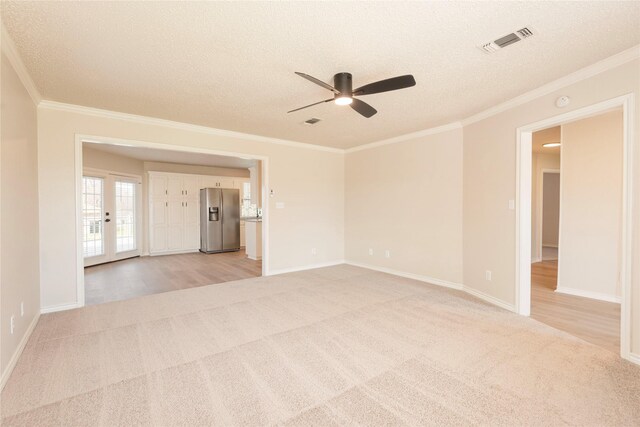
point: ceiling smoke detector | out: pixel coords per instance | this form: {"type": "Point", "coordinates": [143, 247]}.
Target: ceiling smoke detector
{"type": "Point", "coordinates": [507, 40]}
{"type": "Point", "coordinates": [311, 121]}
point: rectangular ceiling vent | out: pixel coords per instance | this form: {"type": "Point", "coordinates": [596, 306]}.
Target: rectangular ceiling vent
{"type": "Point", "coordinates": [311, 121]}
{"type": "Point", "coordinates": [507, 40]}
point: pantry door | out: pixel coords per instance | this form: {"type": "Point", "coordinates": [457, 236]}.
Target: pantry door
{"type": "Point", "coordinates": [111, 217]}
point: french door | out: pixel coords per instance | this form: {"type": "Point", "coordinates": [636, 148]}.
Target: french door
{"type": "Point", "coordinates": [111, 217]}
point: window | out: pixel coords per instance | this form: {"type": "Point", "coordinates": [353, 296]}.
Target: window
{"type": "Point", "coordinates": [92, 203]}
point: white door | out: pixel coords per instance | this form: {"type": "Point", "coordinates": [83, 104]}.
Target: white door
{"type": "Point", "coordinates": [110, 218]}
{"type": "Point", "coordinates": [175, 221]}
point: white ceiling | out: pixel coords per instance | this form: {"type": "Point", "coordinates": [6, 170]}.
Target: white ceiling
{"type": "Point", "coordinates": [230, 65]}
{"type": "Point", "coordinates": [169, 156]}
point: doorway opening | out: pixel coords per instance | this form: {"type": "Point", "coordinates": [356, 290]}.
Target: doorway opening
{"type": "Point", "coordinates": [140, 218]}
{"type": "Point", "coordinates": [586, 291]}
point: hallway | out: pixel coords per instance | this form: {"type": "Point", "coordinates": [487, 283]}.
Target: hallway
{"type": "Point", "coordinates": [597, 322]}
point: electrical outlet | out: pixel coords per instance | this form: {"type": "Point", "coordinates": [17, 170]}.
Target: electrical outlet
{"type": "Point", "coordinates": [13, 324]}
{"type": "Point", "coordinates": [370, 251]}
{"type": "Point", "coordinates": [314, 251]}
{"type": "Point", "coordinates": [22, 309]}
{"type": "Point", "coordinates": [487, 275]}
{"type": "Point", "coordinates": [387, 253]}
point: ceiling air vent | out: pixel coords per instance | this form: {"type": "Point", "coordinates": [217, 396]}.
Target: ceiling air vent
{"type": "Point", "coordinates": [505, 41]}
{"type": "Point", "coordinates": [524, 33]}
{"type": "Point", "coordinates": [311, 121]}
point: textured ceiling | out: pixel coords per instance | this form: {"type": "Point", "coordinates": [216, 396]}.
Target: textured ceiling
{"type": "Point", "coordinates": [230, 65]}
{"type": "Point", "coordinates": [168, 156]}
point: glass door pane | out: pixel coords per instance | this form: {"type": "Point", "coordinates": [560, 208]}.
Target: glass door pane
{"type": "Point", "coordinates": [125, 216]}
{"type": "Point", "coordinates": [92, 214]}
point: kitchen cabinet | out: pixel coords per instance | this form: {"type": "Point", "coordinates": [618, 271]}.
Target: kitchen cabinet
{"type": "Point", "coordinates": [174, 210]}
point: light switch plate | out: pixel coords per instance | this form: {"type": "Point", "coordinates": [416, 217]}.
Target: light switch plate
{"type": "Point", "coordinates": [512, 204]}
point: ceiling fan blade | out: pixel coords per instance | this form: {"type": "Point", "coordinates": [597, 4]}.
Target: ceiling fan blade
{"type": "Point", "coordinates": [363, 108]}
{"type": "Point", "coordinates": [311, 105]}
{"type": "Point", "coordinates": [393, 83]}
{"type": "Point", "coordinates": [318, 82]}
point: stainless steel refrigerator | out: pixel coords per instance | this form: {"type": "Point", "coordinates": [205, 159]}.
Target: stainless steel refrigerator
{"type": "Point", "coordinates": [219, 220]}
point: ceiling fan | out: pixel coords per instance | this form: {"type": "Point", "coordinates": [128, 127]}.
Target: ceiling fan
{"type": "Point", "coordinates": [343, 94]}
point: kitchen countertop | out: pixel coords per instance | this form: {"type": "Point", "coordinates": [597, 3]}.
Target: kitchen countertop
{"type": "Point", "coordinates": [252, 219]}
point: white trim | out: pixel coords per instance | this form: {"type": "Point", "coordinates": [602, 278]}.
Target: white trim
{"type": "Point", "coordinates": [96, 112]}
{"type": "Point", "coordinates": [634, 358]}
{"type": "Point", "coordinates": [523, 209]}
{"type": "Point", "coordinates": [16, 354]}
{"type": "Point", "coordinates": [575, 77]}
{"type": "Point", "coordinates": [60, 307]}
{"type": "Point", "coordinates": [304, 267]}
{"type": "Point", "coordinates": [79, 139]}
{"type": "Point", "coordinates": [588, 294]}
{"type": "Point", "coordinates": [488, 298]}
{"type": "Point", "coordinates": [426, 279]}
{"type": "Point", "coordinates": [438, 282]}
{"type": "Point", "coordinates": [178, 252]}
{"type": "Point", "coordinates": [9, 49]}
{"type": "Point", "coordinates": [406, 137]}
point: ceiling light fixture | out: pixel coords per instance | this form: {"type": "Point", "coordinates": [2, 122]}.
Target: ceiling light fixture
{"type": "Point", "coordinates": [551, 144]}
{"type": "Point", "coordinates": [344, 100]}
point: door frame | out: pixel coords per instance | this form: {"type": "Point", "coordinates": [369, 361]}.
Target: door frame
{"type": "Point", "coordinates": [540, 204]}
{"type": "Point", "coordinates": [80, 138]}
{"type": "Point", "coordinates": [523, 206]}
{"type": "Point", "coordinates": [106, 174]}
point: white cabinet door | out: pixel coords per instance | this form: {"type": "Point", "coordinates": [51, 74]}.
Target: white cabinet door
{"type": "Point", "coordinates": [209, 182]}
{"type": "Point", "coordinates": [174, 187]}
{"type": "Point", "coordinates": [192, 224]}
{"type": "Point", "coordinates": [225, 182]}
{"type": "Point", "coordinates": [158, 186]}
{"type": "Point", "coordinates": [158, 222]}
{"type": "Point", "coordinates": [191, 187]}
{"type": "Point", "coordinates": [175, 224]}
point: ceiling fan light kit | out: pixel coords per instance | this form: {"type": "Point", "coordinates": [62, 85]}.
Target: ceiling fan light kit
{"type": "Point", "coordinates": [343, 93]}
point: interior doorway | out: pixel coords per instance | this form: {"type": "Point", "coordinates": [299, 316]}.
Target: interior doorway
{"type": "Point", "coordinates": [609, 212]}
{"type": "Point", "coordinates": [140, 218]}
{"type": "Point", "coordinates": [585, 303]}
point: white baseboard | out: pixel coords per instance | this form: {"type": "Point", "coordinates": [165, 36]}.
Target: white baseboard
{"type": "Point", "coordinates": [189, 251]}
{"type": "Point", "coordinates": [16, 355]}
{"type": "Point", "coordinates": [544, 245]}
{"type": "Point", "coordinates": [589, 294]}
{"type": "Point", "coordinates": [426, 279]}
{"type": "Point", "coordinates": [439, 282]}
{"type": "Point", "coordinates": [536, 259]}
{"type": "Point", "coordinates": [634, 358]}
{"type": "Point", "coordinates": [490, 299]}
{"type": "Point", "coordinates": [255, 258]}
{"type": "Point", "coordinates": [304, 267]}
{"type": "Point", "coordinates": [61, 307]}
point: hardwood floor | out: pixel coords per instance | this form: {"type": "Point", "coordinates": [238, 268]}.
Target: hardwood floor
{"type": "Point", "coordinates": [597, 322]}
{"type": "Point", "coordinates": [151, 275]}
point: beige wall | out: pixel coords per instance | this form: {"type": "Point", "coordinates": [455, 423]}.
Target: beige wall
{"type": "Point", "coordinates": [550, 209]}
{"type": "Point", "coordinates": [97, 159]}
{"type": "Point", "coordinates": [19, 269]}
{"type": "Point", "coordinates": [540, 162]}
{"type": "Point", "coordinates": [589, 257]}
{"type": "Point", "coordinates": [309, 182]}
{"type": "Point", "coordinates": [490, 182]}
{"type": "Point", "coordinates": [407, 198]}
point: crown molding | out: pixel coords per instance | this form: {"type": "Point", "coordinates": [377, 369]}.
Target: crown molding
{"type": "Point", "coordinates": [575, 77]}
{"type": "Point", "coordinates": [9, 49]}
{"type": "Point", "coordinates": [96, 112]}
{"type": "Point", "coordinates": [405, 137]}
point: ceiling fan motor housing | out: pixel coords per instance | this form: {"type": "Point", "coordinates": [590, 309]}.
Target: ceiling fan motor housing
{"type": "Point", "coordinates": [342, 82]}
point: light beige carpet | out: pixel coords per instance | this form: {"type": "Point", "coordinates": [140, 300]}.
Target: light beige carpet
{"type": "Point", "coordinates": [333, 346]}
